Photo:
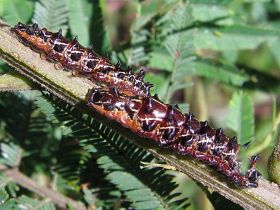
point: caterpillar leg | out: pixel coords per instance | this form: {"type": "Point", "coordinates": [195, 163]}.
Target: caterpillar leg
{"type": "Point", "coordinates": [58, 66]}
{"type": "Point", "coordinates": [43, 56]}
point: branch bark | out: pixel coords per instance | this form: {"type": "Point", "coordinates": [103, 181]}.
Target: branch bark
{"type": "Point", "coordinates": [74, 90]}
{"type": "Point", "coordinates": [273, 165]}
{"type": "Point", "coordinates": [58, 199]}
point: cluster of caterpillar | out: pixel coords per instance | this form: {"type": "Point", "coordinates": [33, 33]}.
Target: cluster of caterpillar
{"type": "Point", "coordinates": [125, 97]}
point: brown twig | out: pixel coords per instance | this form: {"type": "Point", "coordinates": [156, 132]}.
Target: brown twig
{"type": "Point", "coordinates": [58, 199]}
{"type": "Point", "coordinates": [273, 165]}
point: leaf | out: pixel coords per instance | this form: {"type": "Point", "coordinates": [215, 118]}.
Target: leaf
{"type": "Point", "coordinates": [161, 59]}
{"type": "Point", "coordinates": [99, 35]}
{"type": "Point", "coordinates": [2, 8]}
{"type": "Point", "coordinates": [179, 46]}
{"type": "Point", "coordinates": [147, 14]}
{"type": "Point", "coordinates": [275, 49]}
{"type": "Point", "coordinates": [3, 196]}
{"type": "Point", "coordinates": [241, 117]}
{"type": "Point", "coordinates": [80, 13]}
{"type": "Point", "coordinates": [52, 14]}
{"type": "Point", "coordinates": [17, 10]}
{"type": "Point", "coordinates": [30, 203]}
{"type": "Point", "coordinates": [139, 51]}
{"type": "Point", "coordinates": [233, 37]}
{"type": "Point", "coordinates": [223, 73]}
{"type": "Point", "coordinates": [6, 202]}
{"type": "Point", "coordinates": [209, 12]}
{"type": "Point", "coordinates": [11, 154]}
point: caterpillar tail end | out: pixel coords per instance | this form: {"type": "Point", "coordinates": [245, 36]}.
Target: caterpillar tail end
{"type": "Point", "coordinates": [253, 175]}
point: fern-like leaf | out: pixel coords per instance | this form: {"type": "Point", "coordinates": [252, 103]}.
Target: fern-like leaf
{"type": "Point", "coordinates": [30, 203]}
{"type": "Point", "coordinates": [51, 14]}
{"type": "Point", "coordinates": [79, 16]}
{"type": "Point", "coordinates": [10, 154]}
{"type": "Point", "coordinates": [241, 117]}
{"type": "Point", "coordinates": [16, 10]}
{"type": "Point", "coordinates": [119, 158]}
{"type": "Point", "coordinates": [6, 202]}
{"type": "Point", "coordinates": [179, 46]}
{"type": "Point", "coordinates": [223, 73]}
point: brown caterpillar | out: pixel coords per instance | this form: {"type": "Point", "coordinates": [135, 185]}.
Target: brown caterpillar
{"type": "Point", "coordinates": [80, 60]}
{"type": "Point", "coordinates": [169, 127]}
{"type": "Point", "coordinates": [125, 98]}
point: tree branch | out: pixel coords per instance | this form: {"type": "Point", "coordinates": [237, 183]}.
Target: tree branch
{"type": "Point", "coordinates": [273, 165]}
{"type": "Point", "coordinates": [58, 199]}
{"type": "Point", "coordinates": [74, 90]}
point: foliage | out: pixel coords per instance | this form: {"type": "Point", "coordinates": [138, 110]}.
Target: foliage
{"type": "Point", "coordinates": [231, 47]}
{"type": "Point", "coordinates": [241, 118]}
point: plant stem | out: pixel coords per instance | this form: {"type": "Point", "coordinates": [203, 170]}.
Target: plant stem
{"type": "Point", "coordinates": [58, 199]}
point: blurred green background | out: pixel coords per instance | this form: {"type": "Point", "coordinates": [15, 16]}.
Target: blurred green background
{"type": "Point", "coordinates": [217, 59]}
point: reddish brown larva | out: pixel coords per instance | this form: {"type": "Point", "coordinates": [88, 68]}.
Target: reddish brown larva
{"type": "Point", "coordinates": [82, 61]}
{"type": "Point", "coordinates": [168, 127]}
{"type": "Point", "coordinates": [125, 98]}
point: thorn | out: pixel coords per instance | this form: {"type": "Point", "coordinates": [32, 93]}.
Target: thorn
{"type": "Point", "coordinates": [115, 92]}
{"type": "Point", "coordinates": [233, 145]}
{"type": "Point", "coordinates": [186, 140]}
{"type": "Point", "coordinates": [170, 114]}
{"type": "Point", "coordinates": [205, 124]}
{"type": "Point", "coordinates": [35, 25]}
{"type": "Point", "coordinates": [106, 57]}
{"type": "Point", "coordinates": [20, 24]}
{"type": "Point", "coordinates": [177, 107]}
{"type": "Point", "coordinates": [156, 97]}
{"type": "Point", "coordinates": [58, 34]}
{"type": "Point", "coordinates": [169, 134]}
{"type": "Point", "coordinates": [253, 160]}
{"type": "Point", "coordinates": [149, 104]}
{"type": "Point", "coordinates": [118, 64]}
{"type": "Point", "coordinates": [91, 49]}
{"type": "Point", "coordinates": [95, 97]}
{"type": "Point", "coordinates": [90, 52]}
{"type": "Point", "coordinates": [234, 139]}
{"type": "Point", "coordinates": [149, 125]}
{"type": "Point", "coordinates": [190, 117]}
{"type": "Point", "coordinates": [129, 70]}
{"type": "Point", "coordinates": [74, 41]}
{"type": "Point", "coordinates": [149, 85]}
{"type": "Point", "coordinates": [131, 78]}
{"type": "Point", "coordinates": [246, 145]}
{"type": "Point", "coordinates": [140, 74]}
{"type": "Point", "coordinates": [120, 75]}
{"type": "Point", "coordinates": [219, 131]}
{"type": "Point", "coordinates": [218, 134]}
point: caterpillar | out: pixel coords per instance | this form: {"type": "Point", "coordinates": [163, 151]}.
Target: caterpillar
{"type": "Point", "coordinates": [70, 55]}
{"type": "Point", "coordinates": [167, 126]}
{"type": "Point", "coordinates": [124, 97]}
